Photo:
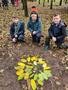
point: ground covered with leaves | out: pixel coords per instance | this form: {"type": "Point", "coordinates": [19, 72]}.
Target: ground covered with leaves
{"type": "Point", "coordinates": [11, 53]}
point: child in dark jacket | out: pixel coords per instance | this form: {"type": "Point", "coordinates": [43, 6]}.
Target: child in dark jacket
{"type": "Point", "coordinates": [5, 3]}
{"type": "Point", "coordinates": [17, 30]}
{"type": "Point", "coordinates": [56, 32]}
{"type": "Point", "coordinates": [34, 26]}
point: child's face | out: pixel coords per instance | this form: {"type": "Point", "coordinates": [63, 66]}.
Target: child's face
{"type": "Point", "coordinates": [56, 19]}
{"type": "Point", "coordinates": [34, 17]}
{"type": "Point", "coordinates": [15, 20]}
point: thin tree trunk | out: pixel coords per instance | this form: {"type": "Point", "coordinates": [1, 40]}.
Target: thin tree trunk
{"type": "Point", "coordinates": [60, 2]}
{"type": "Point", "coordinates": [22, 4]}
{"type": "Point", "coordinates": [39, 1]}
{"type": "Point", "coordinates": [51, 5]}
{"type": "Point", "coordinates": [25, 8]}
{"type": "Point", "coordinates": [43, 3]}
{"type": "Point", "coordinates": [66, 1]}
{"type": "Point", "coordinates": [48, 1]}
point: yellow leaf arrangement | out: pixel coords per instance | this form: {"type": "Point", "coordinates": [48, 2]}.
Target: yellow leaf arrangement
{"type": "Point", "coordinates": [34, 69]}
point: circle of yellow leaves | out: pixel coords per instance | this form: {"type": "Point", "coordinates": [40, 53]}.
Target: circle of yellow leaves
{"type": "Point", "coordinates": [33, 68]}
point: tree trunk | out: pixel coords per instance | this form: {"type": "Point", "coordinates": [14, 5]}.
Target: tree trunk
{"type": "Point", "coordinates": [22, 4]}
{"type": "Point", "coordinates": [60, 2]}
{"type": "Point", "coordinates": [43, 3]}
{"type": "Point", "coordinates": [66, 1]}
{"type": "Point", "coordinates": [25, 8]}
{"type": "Point", "coordinates": [39, 1]}
{"type": "Point", "coordinates": [54, 0]}
{"type": "Point", "coordinates": [51, 5]}
{"type": "Point", "coordinates": [48, 1]}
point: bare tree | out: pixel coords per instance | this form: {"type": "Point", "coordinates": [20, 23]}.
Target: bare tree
{"type": "Point", "coordinates": [43, 3]}
{"type": "Point", "coordinates": [39, 1]}
{"type": "Point", "coordinates": [25, 7]}
{"type": "Point", "coordinates": [60, 3]}
{"type": "Point", "coordinates": [51, 4]}
{"type": "Point", "coordinates": [66, 1]}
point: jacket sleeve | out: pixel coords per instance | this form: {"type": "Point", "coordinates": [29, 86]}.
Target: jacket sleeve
{"type": "Point", "coordinates": [29, 27]}
{"type": "Point", "coordinates": [12, 31]}
{"type": "Point", "coordinates": [39, 27]}
{"type": "Point", "coordinates": [63, 28]}
{"type": "Point", "coordinates": [50, 31]}
{"type": "Point", "coordinates": [22, 29]}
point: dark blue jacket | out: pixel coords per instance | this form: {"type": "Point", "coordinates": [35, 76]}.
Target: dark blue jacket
{"type": "Point", "coordinates": [34, 26]}
{"type": "Point", "coordinates": [58, 31]}
{"type": "Point", "coordinates": [20, 29]}
{"type": "Point", "coordinates": [5, 1]}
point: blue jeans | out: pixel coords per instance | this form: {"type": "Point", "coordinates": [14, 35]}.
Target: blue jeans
{"type": "Point", "coordinates": [58, 42]}
{"type": "Point", "coordinates": [20, 38]}
{"type": "Point", "coordinates": [36, 38]}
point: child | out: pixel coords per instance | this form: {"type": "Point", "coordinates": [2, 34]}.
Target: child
{"type": "Point", "coordinates": [5, 3]}
{"type": "Point", "coordinates": [34, 26]}
{"type": "Point", "coordinates": [17, 3]}
{"type": "Point", "coordinates": [56, 32]}
{"type": "Point", "coordinates": [13, 2]}
{"type": "Point", "coordinates": [17, 30]}
{"type": "Point", "coordinates": [34, 9]}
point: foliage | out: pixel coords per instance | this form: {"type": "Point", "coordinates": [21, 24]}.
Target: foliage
{"type": "Point", "coordinates": [33, 68]}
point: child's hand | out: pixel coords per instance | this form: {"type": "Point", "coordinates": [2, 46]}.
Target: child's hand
{"type": "Point", "coordinates": [16, 36]}
{"type": "Point", "coordinates": [54, 39]}
{"type": "Point", "coordinates": [14, 40]}
{"type": "Point", "coordinates": [34, 32]}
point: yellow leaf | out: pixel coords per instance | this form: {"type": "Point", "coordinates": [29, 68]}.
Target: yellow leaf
{"type": "Point", "coordinates": [34, 58]}
{"type": "Point", "coordinates": [18, 68]}
{"type": "Point", "coordinates": [45, 65]}
{"type": "Point", "coordinates": [40, 59]}
{"type": "Point", "coordinates": [21, 64]}
{"type": "Point", "coordinates": [19, 72]}
{"type": "Point", "coordinates": [45, 68]}
{"type": "Point", "coordinates": [33, 84]}
{"type": "Point", "coordinates": [23, 60]}
{"type": "Point", "coordinates": [20, 77]}
{"type": "Point", "coordinates": [41, 62]}
{"type": "Point", "coordinates": [28, 59]}
{"type": "Point", "coordinates": [35, 63]}
{"type": "Point", "coordinates": [26, 76]}
{"type": "Point", "coordinates": [30, 67]}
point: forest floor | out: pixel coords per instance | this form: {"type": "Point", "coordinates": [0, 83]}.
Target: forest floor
{"type": "Point", "coordinates": [11, 53]}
